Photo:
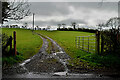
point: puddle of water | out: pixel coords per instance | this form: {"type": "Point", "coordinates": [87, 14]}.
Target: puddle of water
{"type": "Point", "coordinates": [60, 73]}
{"type": "Point", "coordinates": [54, 53]}
{"type": "Point", "coordinates": [60, 52]}
{"type": "Point", "coordinates": [71, 74]}
{"type": "Point", "coordinates": [26, 61]}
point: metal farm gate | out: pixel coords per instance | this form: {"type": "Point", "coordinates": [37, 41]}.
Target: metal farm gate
{"type": "Point", "coordinates": [86, 43]}
{"type": "Point", "coordinates": [100, 43]}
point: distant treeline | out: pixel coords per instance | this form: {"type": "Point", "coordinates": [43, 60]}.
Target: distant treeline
{"type": "Point", "coordinates": [79, 29]}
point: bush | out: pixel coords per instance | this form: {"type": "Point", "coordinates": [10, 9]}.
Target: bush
{"type": "Point", "coordinates": [5, 39]}
{"type": "Point", "coordinates": [111, 41]}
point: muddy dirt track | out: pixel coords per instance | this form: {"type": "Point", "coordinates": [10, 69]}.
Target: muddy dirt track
{"type": "Point", "coordinates": [47, 64]}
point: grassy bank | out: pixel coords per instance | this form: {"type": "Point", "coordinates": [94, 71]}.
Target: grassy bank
{"type": "Point", "coordinates": [27, 43]}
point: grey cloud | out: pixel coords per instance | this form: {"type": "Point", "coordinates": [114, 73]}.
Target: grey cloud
{"type": "Point", "coordinates": [109, 6]}
{"type": "Point", "coordinates": [68, 21]}
{"type": "Point", "coordinates": [61, 8]}
{"type": "Point", "coordinates": [52, 22]}
{"type": "Point", "coordinates": [49, 8]}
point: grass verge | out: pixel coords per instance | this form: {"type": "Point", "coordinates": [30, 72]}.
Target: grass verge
{"type": "Point", "coordinates": [27, 43]}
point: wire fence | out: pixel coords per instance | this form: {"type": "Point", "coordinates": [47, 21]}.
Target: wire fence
{"type": "Point", "coordinates": [86, 43]}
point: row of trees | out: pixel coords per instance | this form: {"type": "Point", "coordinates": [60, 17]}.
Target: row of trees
{"type": "Point", "coordinates": [63, 25]}
{"type": "Point", "coordinates": [78, 29]}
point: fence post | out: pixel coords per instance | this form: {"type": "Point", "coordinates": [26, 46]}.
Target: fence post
{"type": "Point", "coordinates": [76, 42]}
{"type": "Point", "coordinates": [83, 44]}
{"type": "Point", "coordinates": [88, 44]}
{"type": "Point", "coordinates": [14, 34]}
{"type": "Point", "coordinates": [79, 43]}
{"type": "Point", "coordinates": [102, 43]}
{"type": "Point", "coordinates": [10, 43]}
{"type": "Point", "coordinates": [97, 41]}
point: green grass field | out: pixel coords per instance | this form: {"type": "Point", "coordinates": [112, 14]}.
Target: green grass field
{"type": "Point", "coordinates": [66, 39]}
{"type": "Point", "coordinates": [27, 43]}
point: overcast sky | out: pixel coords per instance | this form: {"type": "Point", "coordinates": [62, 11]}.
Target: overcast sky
{"type": "Point", "coordinates": [88, 13]}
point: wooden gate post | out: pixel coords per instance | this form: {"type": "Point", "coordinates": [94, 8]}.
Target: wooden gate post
{"type": "Point", "coordinates": [10, 43]}
{"type": "Point", "coordinates": [79, 43]}
{"type": "Point", "coordinates": [102, 43]}
{"type": "Point", "coordinates": [14, 34]}
{"type": "Point", "coordinates": [97, 42]}
{"type": "Point", "coordinates": [83, 43]}
{"type": "Point", "coordinates": [88, 44]}
{"type": "Point", "coordinates": [76, 42]}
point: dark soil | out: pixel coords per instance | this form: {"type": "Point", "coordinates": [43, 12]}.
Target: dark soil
{"type": "Point", "coordinates": [45, 65]}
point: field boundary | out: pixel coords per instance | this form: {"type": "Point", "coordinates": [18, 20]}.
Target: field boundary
{"type": "Point", "coordinates": [84, 43]}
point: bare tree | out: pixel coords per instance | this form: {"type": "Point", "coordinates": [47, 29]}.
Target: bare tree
{"type": "Point", "coordinates": [74, 25]}
{"type": "Point", "coordinates": [100, 26]}
{"type": "Point", "coordinates": [59, 25]}
{"type": "Point", "coordinates": [63, 25]}
{"type": "Point", "coordinates": [26, 24]}
{"type": "Point", "coordinates": [114, 23]}
{"type": "Point", "coordinates": [37, 27]}
{"type": "Point", "coordinates": [15, 10]}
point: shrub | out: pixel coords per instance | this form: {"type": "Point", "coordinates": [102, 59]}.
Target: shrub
{"type": "Point", "coordinates": [5, 39]}
{"type": "Point", "coordinates": [111, 41]}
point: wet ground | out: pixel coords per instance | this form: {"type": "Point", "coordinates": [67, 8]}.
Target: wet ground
{"type": "Point", "coordinates": [47, 65]}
